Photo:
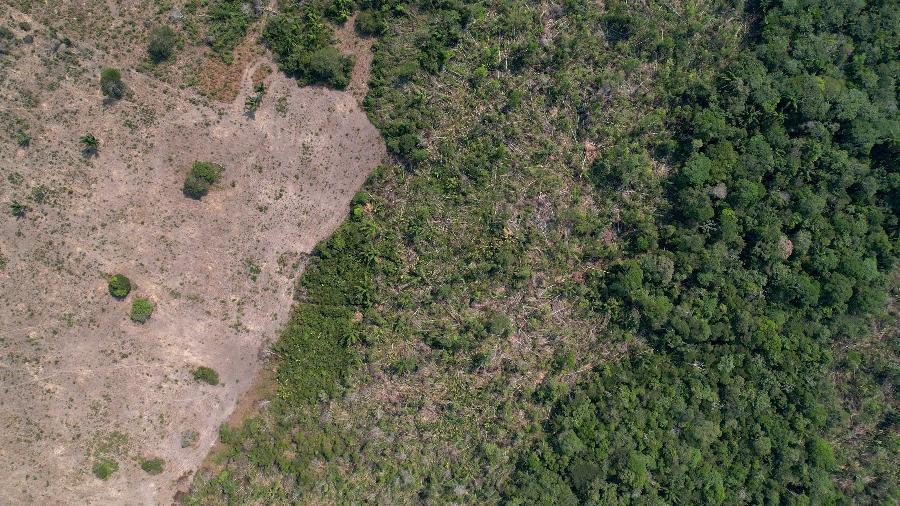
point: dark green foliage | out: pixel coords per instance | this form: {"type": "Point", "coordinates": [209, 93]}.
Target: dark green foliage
{"type": "Point", "coordinates": [104, 467]}
{"type": "Point", "coordinates": [301, 42]}
{"type": "Point", "coordinates": [369, 23]}
{"type": "Point", "coordinates": [89, 144]}
{"type": "Point", "coordinates": [141, 309]}
{"type": "Point", "coordinates": [162, 43]}
{"type": "Point", "coordinates": [201, 176]}
{"type": "Point", "coordinates": [119, 286]}
{"type": "Point", "coordinates": [152, 466]}
{"type": "Point", "coordinates": [206, 375]}
{"type": "Point", "coordinates": [339, 10]}
{"type": "Point", "coordinates": [17, 209]}
{"type": "Point", "coordinates": [111, 84]}
{"type": "Point", "coordinates": [718, 213]}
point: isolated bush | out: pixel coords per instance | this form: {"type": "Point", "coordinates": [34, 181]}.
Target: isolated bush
{"type": "Point", "coordinates": [119, 286]}
{"type": "Point", "coordinates": [162, 43]}
{"type": "Point", "coordinates": [111, 83]}
{"type": "Point", "coordinates": [152, 466]}
{"type": "Point", "coordinates": [206, 375]}
{"type": "Point", "coordinates": [104, 467]}
{"type": "Point", "coordinates": [141, 309]}
{"type": "Point", "coordinates": [199, 179]}
{"type": "Point", "coordinates": [89, 144]}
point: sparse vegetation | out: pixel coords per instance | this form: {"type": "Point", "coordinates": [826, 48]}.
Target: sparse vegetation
{"type": "Point", "coordinates": [104, 467]}
{"type": "Point", "coordinates": [253, 101]}
{"type": "Point", "coordinates": [119, 286]}
{"type": "Point", "coordinates": [141, 309]}
{"type": "Point", "coordinates": [111, 84]}
{"type": "Point", "coordinates": [227, 23]}
{"type": "Point", "coordinates": [162, 43]}
{"type": "Point", "coordinates": [201, 176]}
{"type": "Point", "coordinates": [206, 375]}
{"type": "Point", "coordinates": [189, 438]}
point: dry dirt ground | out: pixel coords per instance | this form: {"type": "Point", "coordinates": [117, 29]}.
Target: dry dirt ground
{"type": "Point", "coordinates": [78, 379]}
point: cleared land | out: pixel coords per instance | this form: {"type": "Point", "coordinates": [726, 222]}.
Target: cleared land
{"type": "Point", "coordinates": [80, 380]}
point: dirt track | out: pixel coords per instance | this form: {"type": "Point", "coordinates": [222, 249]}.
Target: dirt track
{"type": "Point", "coordinates": [79, 378]}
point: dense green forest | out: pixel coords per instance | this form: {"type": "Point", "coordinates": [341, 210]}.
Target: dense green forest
{"type": "Point", "coordinates": [625, 253]}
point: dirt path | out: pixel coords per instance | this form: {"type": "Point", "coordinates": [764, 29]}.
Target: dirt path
{"type": "Point", "coordinates": [79, 379]}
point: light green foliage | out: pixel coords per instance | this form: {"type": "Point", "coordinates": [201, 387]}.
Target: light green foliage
{"type": "Point", "coordinates": [104, 467]}
{"type": "Point", "coordinates": [141, 309]}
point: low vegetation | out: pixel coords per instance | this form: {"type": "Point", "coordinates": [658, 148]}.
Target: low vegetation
{"type": "Point", "coordinates": [228, 22]}
{"type": "Point", "coordinates": [201, 176]}
{"type": "Point", "coordinates": [152, 466]}
{"type": "Point", "coordinates": [141, 310]}
{"type": "Point", "coordinates": [206, 375]}
{"type": "Point", "coordinates": [104, 467]}
{"type": "Point", "coordinates": [162, 43]}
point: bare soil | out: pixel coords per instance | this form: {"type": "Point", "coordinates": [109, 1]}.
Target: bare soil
{"type": "Point", "coordinates": [78, 379]}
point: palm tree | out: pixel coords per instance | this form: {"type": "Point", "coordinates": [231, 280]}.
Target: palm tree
{"type": "Point", "coordinates": [89, 144]}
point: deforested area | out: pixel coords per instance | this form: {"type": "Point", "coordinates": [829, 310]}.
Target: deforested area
{"type": "Point", "coordinates": [625, 252]}
{"type": "Point", "coordinates": [159, 196]}
{"type": "Point", "coordinates": [450, 252]}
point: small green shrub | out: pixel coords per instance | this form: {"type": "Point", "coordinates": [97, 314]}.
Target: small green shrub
{"type": "Point", "coordinates": [141, 309]}
{"type": "Point", "coordinates": [162, 43]}
{"type": "Point", "coordinates": [153, 466]}
{"type": "Point", "coordinates": [206, 375]}
{"type": "Point", "coordinates": [119, 286]}
{"type": "Point", "coordinates": [105, 467]}
{"type": "Point", "coordinates": [200, 178]}
{"type": "Point", "coordinates": [111, 83]}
